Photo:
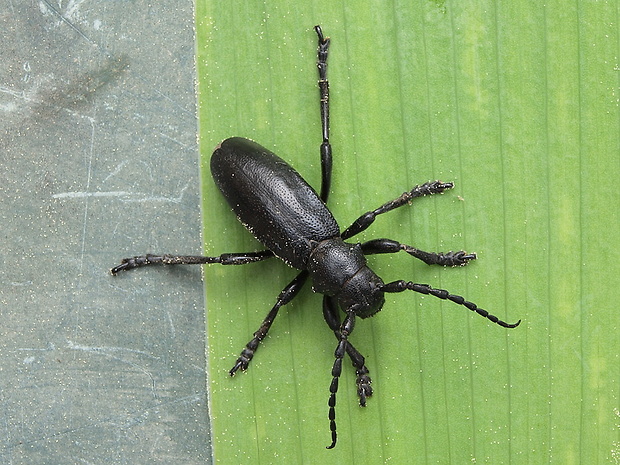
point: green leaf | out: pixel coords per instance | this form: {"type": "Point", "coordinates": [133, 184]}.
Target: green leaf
{"type": "Point", "coordinates": [518, 105]}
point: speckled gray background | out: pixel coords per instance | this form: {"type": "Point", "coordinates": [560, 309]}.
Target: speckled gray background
{"type": "Point", "coordinates": [98, 160]}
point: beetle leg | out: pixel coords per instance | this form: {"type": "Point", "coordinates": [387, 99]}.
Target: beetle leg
{"type": "Point", "coordinates": [326, 148]}
{"type": "Point", "coordinates": [287, 294]}
{"type": "Point", "coordinates": [364, 221]}
{"type": "Point", "coordinates": [363, 381]}
{"type": "Point", "coordinates": [224, 259]}
{"type": "Point", "coordinates": [377, 246]}
{"type": "Point", "coordinates": [400, 286]}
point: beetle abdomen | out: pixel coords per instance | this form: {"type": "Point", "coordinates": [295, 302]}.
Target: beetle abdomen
{"type": "Point", "coordinates": [271, 199]}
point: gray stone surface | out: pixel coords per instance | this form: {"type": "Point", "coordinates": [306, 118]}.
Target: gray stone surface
{"type": "Point", "coordinates": [98, 161]}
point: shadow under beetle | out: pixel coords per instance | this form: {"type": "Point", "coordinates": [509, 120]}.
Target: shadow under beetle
{"type": "Point", "coordinates": [288, 217]}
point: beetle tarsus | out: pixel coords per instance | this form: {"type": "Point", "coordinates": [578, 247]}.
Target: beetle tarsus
{"type": "Point", "coordinates": [242, 362]}
{"type": "Point", "coordinates": [460, 258]}
{"type": "Point", "coordinates": [136, 262]}
{"type": "Point", "coordinates": [364, 389]}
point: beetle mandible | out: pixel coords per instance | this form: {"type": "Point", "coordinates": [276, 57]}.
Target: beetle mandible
{"type": "Point", "coordinates": [294, 224]}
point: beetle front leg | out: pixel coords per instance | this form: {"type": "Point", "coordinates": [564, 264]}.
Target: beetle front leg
{"type": "Point", "coordinates": [377, 246]}
{"type": "Point", "coordinates": [224, 259]}
{"type": "Point", "coordinates": [363, 381]}
{"type": "Point", "coordinates": [364, 221]}
{"type": "Point", "coordinates": [287, 294]}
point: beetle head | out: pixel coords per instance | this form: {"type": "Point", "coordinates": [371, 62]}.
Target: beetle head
{"type": "Point", "coordinates": [362, 293]}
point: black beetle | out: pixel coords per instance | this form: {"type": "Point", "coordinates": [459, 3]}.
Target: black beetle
{"type": "Point", "coordinates": [288, 217]}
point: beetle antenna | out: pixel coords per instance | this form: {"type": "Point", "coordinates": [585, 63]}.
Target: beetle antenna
{"type": "Point", "coordinates": [345, 329]}
{"type": "Point", "coordinates": [400, 286]}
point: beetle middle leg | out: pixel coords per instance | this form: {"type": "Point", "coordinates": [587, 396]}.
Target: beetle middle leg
{"type": "Point", "coordinates": [287, 294]}
{"type": "Point", "coordinates": [364, 221]}
{"type": "Point", "coordinates": [363, 381]}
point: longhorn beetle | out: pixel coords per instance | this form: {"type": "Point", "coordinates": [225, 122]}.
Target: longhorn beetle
{"type": "Point", "coordinates": [294, 224]}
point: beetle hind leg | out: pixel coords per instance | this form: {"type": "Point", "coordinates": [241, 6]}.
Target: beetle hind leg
{"type": "Point", "coordinates": [166, 259]}
{"type": "Point", "coordinates": [326, 148]}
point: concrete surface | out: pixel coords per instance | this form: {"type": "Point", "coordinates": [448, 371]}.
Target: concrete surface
{"type": "Point", "coordinates": [98, 161]}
